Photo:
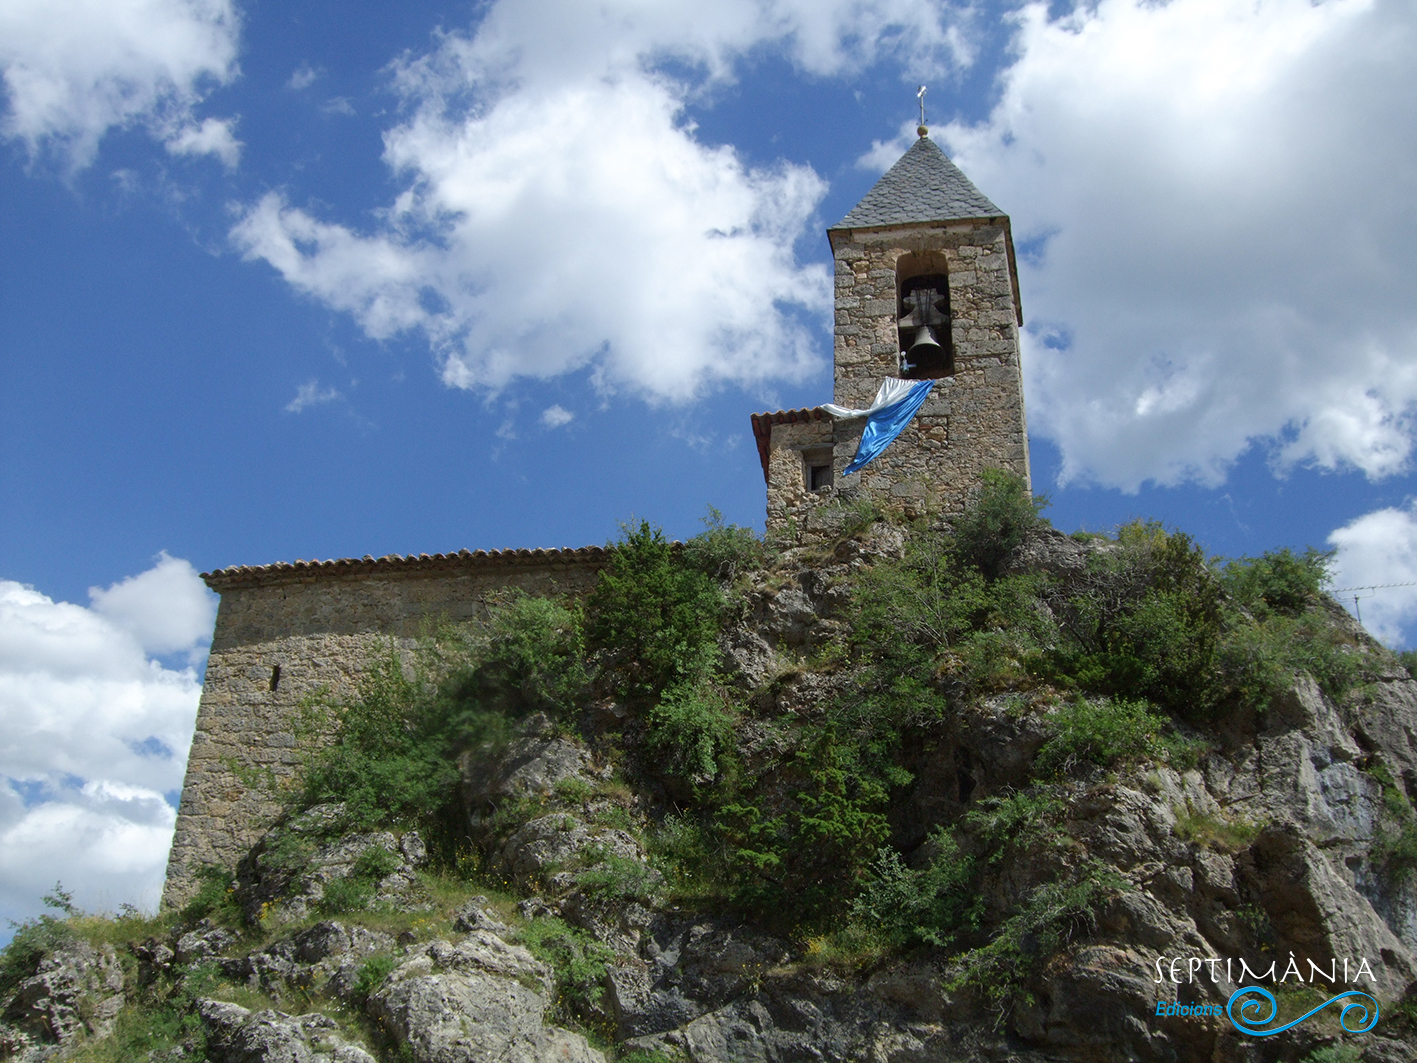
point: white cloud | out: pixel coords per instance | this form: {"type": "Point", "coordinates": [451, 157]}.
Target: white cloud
{"type": "Point", "coordinates": [96, 732]}
{"type": "Point", "coordinates": [74, 69]}
{"type": "Point", "coordinates": [212, 137]}
{"type": "Point", "coordinates": [1224, 191]}
{"type": "Point", "coordinates": [556, 416]}
{"type": "Point", "coordinates": [310, 394]}
{"type": "Point", "coordinates": [167, 608]}
{"type": "Point", "coordinates": [559, 213]}
{"type": "Point", "coordinates": [303, 77]}
{"type": "Point", "coordinates": [1374, 551]}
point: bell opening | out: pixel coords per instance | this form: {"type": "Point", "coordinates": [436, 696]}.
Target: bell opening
{"type": "Point", "coordinates": [923, 323]}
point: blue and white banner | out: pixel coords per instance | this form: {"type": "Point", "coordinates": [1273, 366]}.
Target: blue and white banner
{"type": "Point", "coordinates": [896, 403]}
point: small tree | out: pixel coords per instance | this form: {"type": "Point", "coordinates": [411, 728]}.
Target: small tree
{"type": "Point", "coordinates": [653, 615]}
{"type": "Point", "coordinates": [998, 522]}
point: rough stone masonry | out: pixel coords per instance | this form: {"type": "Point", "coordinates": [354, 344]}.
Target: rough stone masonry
{"type": "Point", "coordinates": [287, 631]}
{"type": "Point", "coordinates": [922, 220]}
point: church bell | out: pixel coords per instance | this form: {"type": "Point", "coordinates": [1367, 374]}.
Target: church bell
{"type": "Point", "coordinates": [925, 353]}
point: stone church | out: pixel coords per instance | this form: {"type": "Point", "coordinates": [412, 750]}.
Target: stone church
{"type": "Point", "coordinates": [926, 289]}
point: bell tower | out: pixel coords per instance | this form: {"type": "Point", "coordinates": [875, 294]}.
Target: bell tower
{"type": "Point", "coordinates": [926, 289]}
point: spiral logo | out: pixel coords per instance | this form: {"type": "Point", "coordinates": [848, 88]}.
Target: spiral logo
{"type": "Point", "coordinates": [1245, 1002]}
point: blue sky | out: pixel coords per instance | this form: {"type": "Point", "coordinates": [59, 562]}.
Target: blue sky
{"type": "Point", "coordinates": [319, 280]}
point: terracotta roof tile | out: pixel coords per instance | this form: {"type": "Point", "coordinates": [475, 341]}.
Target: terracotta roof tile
{"type": "Point", "coordinates": [396, 564]}
{"type": "Point", "coordinates": [763, 422]}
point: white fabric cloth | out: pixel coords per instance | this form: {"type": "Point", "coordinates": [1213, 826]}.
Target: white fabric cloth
{"type": "Point", "coordinates": [893, 389]}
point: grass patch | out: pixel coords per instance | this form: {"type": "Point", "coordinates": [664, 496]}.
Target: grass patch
{"type": "Point", "coordinates": [355, 891]}
{"type": "Point", "coordinates": [160, 1019]}
{"type": "Point", "coordinates": [1214, 832]}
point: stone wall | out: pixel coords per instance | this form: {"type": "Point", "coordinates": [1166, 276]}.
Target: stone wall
{"type": "Point", "coordinates": [972, 420]}
{"type": "Point", "coordinates": [320, 624]}
{"type": "Point", "coordinates": [788, 496]}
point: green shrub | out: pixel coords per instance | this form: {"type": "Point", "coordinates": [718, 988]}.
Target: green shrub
{"type": "Point", "coordinates": [1143, 621]}
{"type": "Point", "coordinates": [1102, 733]}
{"type": "Point", "coordinates": [1257, 659]}
{"type": "Point", "coordinates": [1018, 820]}
{"type": "Point", "coordinates": [1408, 660]}
{"type": "Point", "coordinates": [577, 958]}
{"type": "Point", "coordinates": [998, 522]}
{"type": "Point", "coordinates": [653, 616]}
{"type": "Point", "coordinates": [930, 623]}
{"type": "Point", "coordinates": [1335, 1054]}
{"type": "Point", "coordinates": [36, 937]}
{"type": "Point", "coordinates": [724, 551]}
{"type": "Point", "coordinates": [391, 758]}
{"type": "Point", "coordinates": [617, 878]}
{"type": "Point", "coordinates": [1280, 580]}
{"type": "Point", "coordinates": [1395, 842]}
{"type": "Point", "coordinates": [215, 898]}
{"type": "Point", "coordinates": [1046, 921]}
{"type": "Point", "coordinates": [687, 853]}
{"type": "Point", "coordinates": [691, 734]}
{"type": "Point", "coordinates": [389, 755]}
{"type": "Point", "coordinates": [529, 656]}
{"type": "Point", "coordinates": [372, 974]}
{"type": "Point", "coordinates": [797, 863]}
{"type": "Point", "coordinates": [929, 905]}
{"type": "Point", "coordinates": [925, 602]}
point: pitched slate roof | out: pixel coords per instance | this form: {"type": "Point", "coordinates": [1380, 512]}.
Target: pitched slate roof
{"type": "Point", "coordinates": [922, 186]}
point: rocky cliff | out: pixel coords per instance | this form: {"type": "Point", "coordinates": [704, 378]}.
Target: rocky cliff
{"type": "Point", "coordinates": [900, 795]}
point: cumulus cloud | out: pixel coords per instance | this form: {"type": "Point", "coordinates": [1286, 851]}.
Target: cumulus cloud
{"type": "Point", "coordinates": [1213, 201]}
{"type": "Point", "coordinates": [167, 608]}
{"type": "Point", "coordinates": [1374, 552]}
{"type": "Point", "coordinates": [74, 69]}
{"type": "Point", "coordinates": [559, 213]}
{"type": "Point", "coordinates": [96, 733]}
{"type": "Point", "coordinates": [556, 416]}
